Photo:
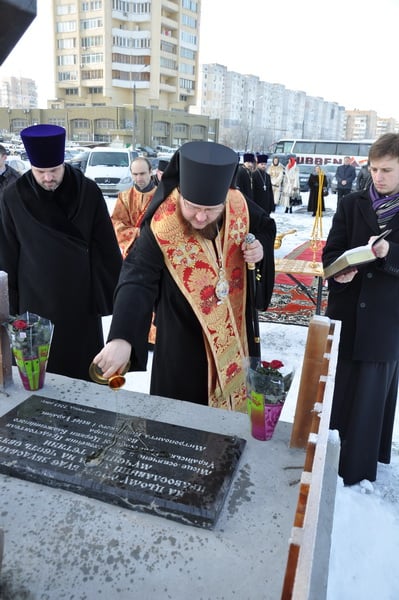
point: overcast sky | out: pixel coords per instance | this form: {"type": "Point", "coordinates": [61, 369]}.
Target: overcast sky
{"type": "Point", "coordinates": [343, 51]}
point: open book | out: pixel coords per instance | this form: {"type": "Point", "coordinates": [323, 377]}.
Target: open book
{"type": "Point", "coordinates": [354, 257]}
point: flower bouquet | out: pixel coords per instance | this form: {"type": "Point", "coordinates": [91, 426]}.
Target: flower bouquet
{"type": "Point", "coordinates": [267, 389]}
{"type": "Point", "coordinates": [30, 338]}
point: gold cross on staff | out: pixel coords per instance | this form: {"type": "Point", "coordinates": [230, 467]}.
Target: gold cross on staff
{"type": "Point", "coordinates": [317, 231]}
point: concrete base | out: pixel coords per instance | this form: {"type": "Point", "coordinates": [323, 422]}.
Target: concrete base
{"type": "Point", "coordinates": [59, 545]}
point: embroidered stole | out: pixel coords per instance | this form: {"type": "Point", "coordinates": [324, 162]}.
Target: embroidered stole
{"type": "Point", "coordinates": [187, 257]}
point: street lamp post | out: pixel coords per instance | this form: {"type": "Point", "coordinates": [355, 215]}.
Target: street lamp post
{"type": "Point", "coordinates": [134, 117]}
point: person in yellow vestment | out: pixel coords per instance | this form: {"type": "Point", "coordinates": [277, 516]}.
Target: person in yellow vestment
{"type": "Point", "coordinates": [131, 205]}
{"type": "Point", "coordinates": [191, 262]}
{"type": "Point", "coordinates": [129, 211]}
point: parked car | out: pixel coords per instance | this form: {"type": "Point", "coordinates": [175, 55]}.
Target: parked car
{"type": "Point", "coordinates": [304, 173]}
{"type": "Point", "coordinates": [79, 161]}
{"type": "Point", "coordinates": [146, 151]}
{"type": "Point", "coordinates": [21, 166]}
{"type": "Point", "coordinates": [330, 171]}
{"type": "Point", "coordinates": [109, 167]}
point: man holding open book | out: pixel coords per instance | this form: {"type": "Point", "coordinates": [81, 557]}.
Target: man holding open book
{"type": "Point", "coordinates": [365, 297]}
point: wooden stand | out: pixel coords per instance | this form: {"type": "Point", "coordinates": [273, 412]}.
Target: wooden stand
{"type": "Point", "coordinates": [312, 368]}
{"type": "Point", "coordinates": [306, 575]}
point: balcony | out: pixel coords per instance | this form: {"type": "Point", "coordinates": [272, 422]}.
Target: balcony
{"type": "Point", "coordinates": [166, 87]}
{"type": "Point", "coordinates": [168, 23]}
{"type": "Point", "coordinates": [172, 6]}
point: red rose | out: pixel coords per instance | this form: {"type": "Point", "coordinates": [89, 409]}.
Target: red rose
{"type": "Point", "coordinates": [276, 364]}
{"type": "Point", "coordinates": [20, 324]}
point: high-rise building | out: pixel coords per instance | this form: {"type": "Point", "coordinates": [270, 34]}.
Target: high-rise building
{"type": "Point", "coordinates": [117, 52]}
{"type": "Point", "coordinates": [18, 92]}
{"type": "Point", "coordinates": [254, 114]}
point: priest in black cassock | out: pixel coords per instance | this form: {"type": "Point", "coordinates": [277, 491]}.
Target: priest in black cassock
{"type": "Point", "coordinates": [190, 262]}
{"type": "Point", "coordinates": [58, 247]}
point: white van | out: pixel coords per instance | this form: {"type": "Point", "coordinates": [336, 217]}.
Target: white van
{"type": "Point", "coordinates": [110, 168]}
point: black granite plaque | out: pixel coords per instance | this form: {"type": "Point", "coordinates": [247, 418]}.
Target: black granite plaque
{"type": "Point", "coordinates": [177, 472]}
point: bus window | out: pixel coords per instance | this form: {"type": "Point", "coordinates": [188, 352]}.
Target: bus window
{"type": "Point", "coordinates": [348, 149]}
{"type": "Point", "coordinates": [302, 147]}
{"type": "Point", "coordinates": [364, 149]}
{"type": "Point", "coordinates": [283, 147]}
{"type": "Point", "coordinates": [326, 148]}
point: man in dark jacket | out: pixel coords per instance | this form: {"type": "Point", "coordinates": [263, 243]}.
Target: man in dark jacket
{"type": "Point", "coordinates": [364, 179]}
{"type": "Point", "coordinates": [7, 173]}
{"type": "Point", "coordinates": [58, 247]}
{"type": "Point", "coordinates": [346, 175]}
{"type": "Point", "coordinates": [190, 260]}
{"type": "Point", "coordinates": [365, 299]}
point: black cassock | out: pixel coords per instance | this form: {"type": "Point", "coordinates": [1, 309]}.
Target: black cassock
{"type": "Point", "coordinates": [63, 262]}
{"type": "Point", "coordinates": [179, 367]}
{"type": "Point", "coordinates": [313, 183]}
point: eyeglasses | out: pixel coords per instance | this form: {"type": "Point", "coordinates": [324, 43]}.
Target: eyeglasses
{"type": "Point", "coordinates": [211, 210]}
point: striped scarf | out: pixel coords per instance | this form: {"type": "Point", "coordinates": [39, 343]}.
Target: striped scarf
{"type": "Point", "coordinates": [385, 208]}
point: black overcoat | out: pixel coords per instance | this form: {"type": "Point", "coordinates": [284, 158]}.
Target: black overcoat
{"type": "Point", "coordinates": [63, 261]}
{"type": "Point", "coordinates": [179, 368]}
{"type": "Point", "coordinates": [313, 183]}
{"type": "Point", "coordinates": [368, 306]}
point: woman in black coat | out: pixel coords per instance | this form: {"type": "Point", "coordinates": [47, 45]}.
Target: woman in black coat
{"type": "Point", "coordinates": [316, 181]}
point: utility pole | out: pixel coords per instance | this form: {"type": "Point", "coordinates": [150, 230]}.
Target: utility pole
{"type": "Point", "coordinates": [134, 141]}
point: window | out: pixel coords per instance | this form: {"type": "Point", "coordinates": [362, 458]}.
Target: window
{"type": "Point", "coordinates": [95, 90]}
{"type": "Point", "coordinates": [168, 47]}
{"type": "Point", "coordinates": [199, 130]}
{"type": "Point", "coordinates": [348, 149]}
{"type": "Point", "coordinates": [187, 84]}
{"type": "Point", "coordinates": [89, 59]}
{"type": "Point", "coordinates": [71, 91]}
{"type": "Point", "coordinates": [189, 21]}
{"type": "Point", "coordinates": [65, 9]}
{"type": "Point", "coordinates": [190, 5]}
{"type": "Point", "coordinates": [94, 5]}
{"type": "Point", "coordinates": [66, 43]}
{"type": "Point", "coordinates": [326, 148]}
{"type": "Point", "coordinates": [304, 147]}
{"type": "Point", "coordinates": [95, 74]}
{"type": "Point", "coordinates": [181, 129]}
{"type": "Point", "coordinates": [186, 53]}
{"type": "Point", "coordinates": [66, 59]}
{"type": "Point", "coordinates": [56, 121]}
{"type": "Point", "coordinates": [105, 124]}
{"type": "Point", "coordinates": [80, 123]}
{"type": "Point", "coordinates": [168, 63]}
{"type": "Point", "coordinates": [189, 38]}
{"type": "Point", "coordinates": [91, 23]}
{"type": "Point", "coordinates": [65, 26]}
{"type": "Point", "coordinates": [94, 40]}
{"type": "Point", "coordinates": [67, 76]}
{"type": "Point", "coordinates": [186, 68]}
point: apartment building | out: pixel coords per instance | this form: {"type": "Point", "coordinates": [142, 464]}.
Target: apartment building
{"type": "Point", "coordinates": [254, 114]}
{"type": "Point", "coordinates": [116, 52]}
{"type": "Point", "coordinates": [18, 92]}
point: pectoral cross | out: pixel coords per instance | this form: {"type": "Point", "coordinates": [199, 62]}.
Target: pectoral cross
{"type": "Point", "coordinates": [5, 348]}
